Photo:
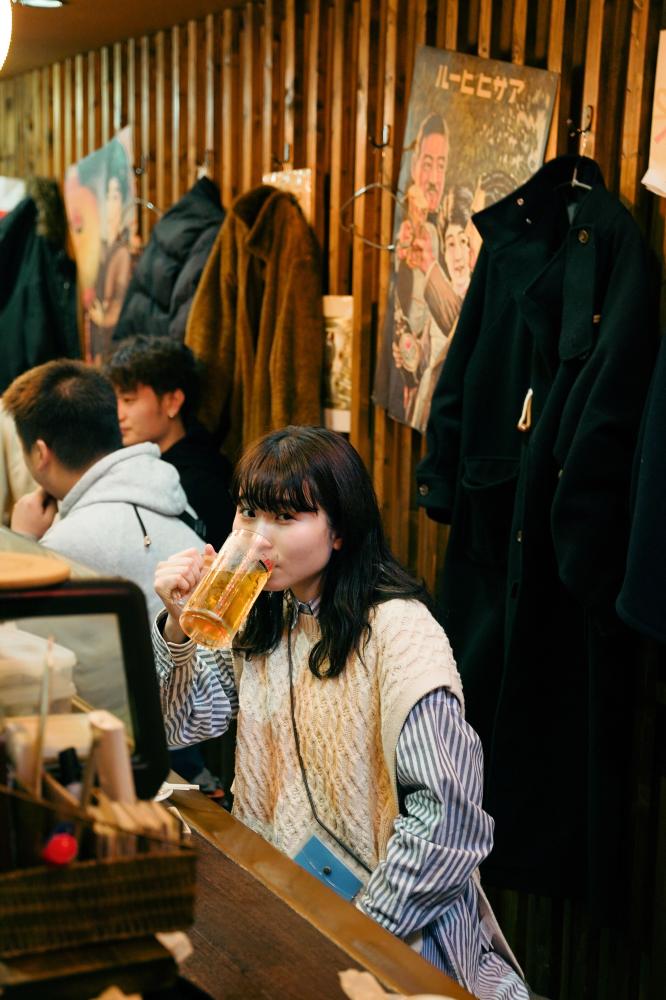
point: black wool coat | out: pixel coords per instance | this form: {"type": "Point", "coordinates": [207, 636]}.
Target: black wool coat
{"type": "Point", "coordinates": [557, 319]}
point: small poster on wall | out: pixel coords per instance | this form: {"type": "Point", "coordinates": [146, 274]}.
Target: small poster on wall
{"type": "Point", "coordinates": [338, 316]}
{"type": "Point", "coordinates": [298, 183]}
{"type": "Point", "coordinates": [476, 129]}
{"type": "Point", "coordinates": [100, 194]}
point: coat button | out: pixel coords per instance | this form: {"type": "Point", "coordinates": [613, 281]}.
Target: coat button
{"type": "Point", "coordinates": [424, 489]}
{"type": "Point", "coordinates": [583, 236]}
{"type": "Point", "coordinates": [520, 201]}
{"type": "Point", "coordinates": [519, 535]}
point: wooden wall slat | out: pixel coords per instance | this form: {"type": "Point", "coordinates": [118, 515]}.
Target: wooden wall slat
{"type": "Point", "coordinates": [68, 114]}
{"type": "Point", "coordinates": [79, 106]}
{"type": "Point", "coordinates": [105, 94]}
{"type": "Point", "coordinates": [193, 99]}
{"type": "Point", "coordinates": [555, 53]}
{"type": "Point", "coordinates": [211, 80]}
{"type": "Point", "coordinates": [485, 28]}
{"type": "Point", "coordinates": [144, 137]}
{"type": "Point", "coordinates": [162, 95]}
{"type": "Point", "coordinates": [519, 32]}
{"type": "Point", "coordinates": [289, 84]}
{"type": "Point", "coordinates": [267, 68]}
{"type": "Point", "coordinates": [360, 422]}
{"type": "Point", "coordinates": [592, 82]}
{"type": "Point", "coordinates": [117, 114]}
{"type": "Point", "coordinates": [56, 83]}
{"type": "Point", "coordinates": [176, 117]}
{"type": "Point", "coordinates": [635, 117]}
{"type": "Point", "coordinates": [336, 202]}
{"type": "Point", "coordinates": [230, 126]}
{"type": "Point", "coordinates": [247, 88]}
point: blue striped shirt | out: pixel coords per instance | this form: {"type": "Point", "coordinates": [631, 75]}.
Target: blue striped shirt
{"type": "Point", "coordinates": [425, 885]}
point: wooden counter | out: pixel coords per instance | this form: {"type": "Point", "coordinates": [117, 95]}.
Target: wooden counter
{"type": "Point", "coordinates": [265, 928]}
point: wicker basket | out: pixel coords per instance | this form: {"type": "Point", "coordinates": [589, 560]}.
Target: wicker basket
{"type": "Point", "coordinates": [44, 908]}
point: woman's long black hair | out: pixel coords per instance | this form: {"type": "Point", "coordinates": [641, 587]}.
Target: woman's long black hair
{"type": "Point", "coordinates": [307, 469]}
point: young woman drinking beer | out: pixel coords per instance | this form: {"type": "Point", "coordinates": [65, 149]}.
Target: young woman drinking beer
{"type": "Point", "coordinates": [349, 705]}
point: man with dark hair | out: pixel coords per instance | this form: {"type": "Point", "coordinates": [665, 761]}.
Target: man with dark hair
{"type": "Point", "coordinates": [157, 385]}
{"type": "Point", "coordinates": [120, 510]}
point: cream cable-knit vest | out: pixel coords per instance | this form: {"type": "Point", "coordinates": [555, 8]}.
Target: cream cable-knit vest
{"type": "Point", "coordinates": [348, 727]}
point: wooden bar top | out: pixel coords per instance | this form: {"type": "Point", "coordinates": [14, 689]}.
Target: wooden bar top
{"type": "Point", "coordinates": [265, 928]}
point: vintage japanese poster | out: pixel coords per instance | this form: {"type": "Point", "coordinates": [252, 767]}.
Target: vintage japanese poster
{"type": "Point", "coordinates": [100, 199]}
{"type": "Point", "coordinates": [476, 129]}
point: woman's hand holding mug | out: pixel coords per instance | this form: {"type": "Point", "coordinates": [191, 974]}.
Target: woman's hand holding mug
{"type": "Point", "coordinates": [175, 579]}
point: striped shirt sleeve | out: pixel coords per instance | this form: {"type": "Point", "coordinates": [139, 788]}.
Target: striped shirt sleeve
{"type": "Point", "coordinates": [445, 833]}
{"type": "Point", "coordinates": [197, 688]}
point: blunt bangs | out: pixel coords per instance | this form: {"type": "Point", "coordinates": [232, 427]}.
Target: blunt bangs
{"type": "Point", "coordinates": [263, 481]}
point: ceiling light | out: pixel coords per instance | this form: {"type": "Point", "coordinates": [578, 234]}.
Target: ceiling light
{"type": "Point", "coordinates": [5, 29]}
{"type": "Point", "coordinates": [41, 3]}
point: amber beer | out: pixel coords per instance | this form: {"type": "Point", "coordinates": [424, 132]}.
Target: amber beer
{"type": "Point", "coordinates": [222, 599]}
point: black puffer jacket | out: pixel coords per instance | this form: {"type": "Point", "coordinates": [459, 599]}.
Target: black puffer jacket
{"type": "Point", "coordinates": [165, 279]}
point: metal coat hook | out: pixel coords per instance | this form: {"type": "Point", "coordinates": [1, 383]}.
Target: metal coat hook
{"type": "Point", "coordinates": [351, 228]}
{"type": "Point", "coordinates": [286, 157]}
{"type": "Point", "coordinates": [385, 140]}
{"type": "Point", "coordinates": [585, 127]}
{"type": "Point", "coordinates": [204, 168]}
{"type": "Point", "coordinates": [141, 168]}
{"type": "Point", "coordinates": [148, 204]}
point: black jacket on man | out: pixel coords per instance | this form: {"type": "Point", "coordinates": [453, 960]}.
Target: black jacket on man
{"type": "Point", "coordinates": [539, 518]}
{"type": "Point", "coordinates": [205, 476]}
{"type": "Point", "coordinates": [165, 278]}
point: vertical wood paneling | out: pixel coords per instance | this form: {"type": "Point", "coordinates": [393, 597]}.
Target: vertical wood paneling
{"type": "Point", "coordinates": [230, 117]}
{"type": "Point", "coordinates": [636, 105]}
{"type": "Point", "coordinates": [117, 116]}
{"type": "Point", "coordinates": [267, 71]}
{"type": "Point", "coordinates": [68, 114]}
{"type": "Point", "coordinates": [193, 99]}
{"type": "Point", "coordinates": [106, 93]}
{"type": "Point", "coordinates": [211, 78]}
{"type": "Point", "coordinates": [360, 423]}
{"type": "Point", "coordinates": [79, 105]}
{"type": "Point", "coordinates": [56, 83]}
{"type": "Point", "coordinates": [176, 91]}
{"type": "Point", "coordinates": [229, 92]}
{"type": "Point", "coordinates": [336, 202]}
{"type": "Point", "coordinates": [94, 135]}
{"type": "Point", "coordinates": [144, 136]}
{"type": "Point", "coordinates": [592, 82]}
{"type": "Point", "coordinates": [248, 95]}
{"type": "Point", "coordinates": [162, 95]}
{"type": "Point", "coordinates": [519, 32]}
{"type": "Point", "coordinates": [312, 91]}
{"type": "Point", "coordinates": [555, 52]}
{"type": "Point", "coordinates": [485, 28]}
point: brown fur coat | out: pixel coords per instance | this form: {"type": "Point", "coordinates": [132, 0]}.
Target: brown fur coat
{"type": "Point", "coordinates": [256, 321]}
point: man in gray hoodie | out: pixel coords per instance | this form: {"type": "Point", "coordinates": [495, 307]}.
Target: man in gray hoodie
{"type": "Point", "coordinates": [118, 510]}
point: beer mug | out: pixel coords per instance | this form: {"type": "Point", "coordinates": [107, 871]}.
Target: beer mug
{"type": "Point", "coordinates": [221, 601]}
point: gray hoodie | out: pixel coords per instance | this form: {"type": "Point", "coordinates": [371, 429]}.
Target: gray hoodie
{"type": "Point", "coordinates": [98, 525]}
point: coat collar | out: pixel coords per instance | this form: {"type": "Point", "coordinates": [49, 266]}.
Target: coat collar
{"type": "Point", "coordinates": [538, 200]}
{"type": "Point", "coordinates": [548, 262]}
{"type": "Point", "coordinates": [257, 210]}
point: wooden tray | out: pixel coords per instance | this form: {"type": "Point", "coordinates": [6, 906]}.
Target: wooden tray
{"type": "Point", "coordinates": [19, 570]}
